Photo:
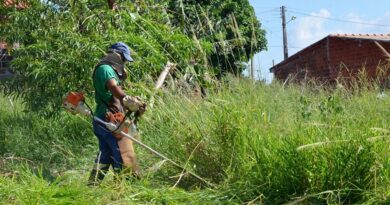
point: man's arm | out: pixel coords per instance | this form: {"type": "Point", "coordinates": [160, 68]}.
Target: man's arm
{"type": "Point", "coordinates": [115, 89]}
{"type": "Point", "coordinates": [132, 103]}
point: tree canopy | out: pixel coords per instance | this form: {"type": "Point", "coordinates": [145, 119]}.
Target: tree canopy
{"type": "Point", "coordinates": [231, 26]}
{"type": "Point", "coordinates": [61, 41]}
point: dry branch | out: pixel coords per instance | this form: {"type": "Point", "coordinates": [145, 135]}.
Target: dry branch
{"type": "Point", "coordinates": [164, 74]}
{"type": "Point", "coordinates": [383, 50]}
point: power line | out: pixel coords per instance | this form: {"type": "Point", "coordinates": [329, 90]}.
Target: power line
{"type": "Point", "coordinates": [298, 10]}
{"type": "Point", "coordinates": [274, 28]}
{"type": "Point", "coordinates": [276, 46]}
{"type": "Point", "coordinates": [267, 11]}
{"type": "Point", "coordinates": [340, 20]}
{"type": "Point", "coordinates": [267, 20]}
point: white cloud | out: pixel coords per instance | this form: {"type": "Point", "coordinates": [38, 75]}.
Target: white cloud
{"type": "Point", "coordinates": [385, 19]}
{"type": "Point", "coordinates": [367, 25]}
{"type": "Point", "coordinates": [309, 29]}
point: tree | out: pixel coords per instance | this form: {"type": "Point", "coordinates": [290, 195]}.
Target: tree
{"type": "Point", "coordinates": [231, 26]}
{"type": "Point", "coordinates": [61, 41]}
{"type": "Point", "coordinates": [60, 47]}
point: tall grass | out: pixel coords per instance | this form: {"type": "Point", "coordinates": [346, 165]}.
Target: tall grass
{"type": "Point", "coordinates": [270, 144]}
{"type": "Point", "coordinates": [59, 142]}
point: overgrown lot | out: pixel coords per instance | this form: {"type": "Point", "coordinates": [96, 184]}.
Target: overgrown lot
{"type": "Point", "coordinates": [258, 143]}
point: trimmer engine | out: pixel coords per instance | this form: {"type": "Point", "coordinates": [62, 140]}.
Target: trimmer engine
{"type": "Point", "coordinates": [74, 103]}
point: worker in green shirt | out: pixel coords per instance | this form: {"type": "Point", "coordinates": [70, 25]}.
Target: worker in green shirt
{"type": "Point", "coordinates": [114, 150]}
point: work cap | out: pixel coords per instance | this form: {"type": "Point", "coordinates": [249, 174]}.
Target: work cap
{"type": "Point", "coordinates": [123, 49]}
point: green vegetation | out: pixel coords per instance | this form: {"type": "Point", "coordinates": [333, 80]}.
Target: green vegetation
{"type": "Point", "coordinates": [263, 144]}
{"type": "Point", "coordinates": [258, 143]}
{"type": "Point", "coordinates": [61, 44]}
{"type": "Point", "coordinates": [230, 24]}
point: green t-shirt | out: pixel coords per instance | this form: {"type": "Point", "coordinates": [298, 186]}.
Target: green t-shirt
{"type": "Point", "coordinates": [103, 73]}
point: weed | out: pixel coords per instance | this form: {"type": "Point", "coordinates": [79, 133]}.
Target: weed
{"type": "Point", "coordinates": [259, 143]}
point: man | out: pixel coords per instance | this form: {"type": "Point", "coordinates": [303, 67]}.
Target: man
{"type": "Point", "coordinates": [114, 150]}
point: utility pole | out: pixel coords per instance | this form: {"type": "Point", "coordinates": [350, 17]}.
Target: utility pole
{"type": "Point", "coordinates": [285, 49]}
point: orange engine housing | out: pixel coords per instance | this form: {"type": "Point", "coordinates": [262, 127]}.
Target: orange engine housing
{"type": "Point", "coordinates": [74, 103]}
{"type": "Point", "coordinates": [75, 98]}
{"type": "Point", "coordinates": [118, 118]}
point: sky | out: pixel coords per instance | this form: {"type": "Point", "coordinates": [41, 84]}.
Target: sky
{"type": "Point", "coordinates": [311, 20]}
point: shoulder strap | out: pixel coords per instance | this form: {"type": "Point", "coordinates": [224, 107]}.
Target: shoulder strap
{"type": "Point", "coordinates": [108, 107]}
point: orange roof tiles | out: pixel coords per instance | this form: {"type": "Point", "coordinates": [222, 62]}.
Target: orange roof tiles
{"type": "Point", "coordinates": [363, 36]}
{"type": "Point", "coordinates": [3, 45]}
{"type": "Point", "coordinates": [18, 4]}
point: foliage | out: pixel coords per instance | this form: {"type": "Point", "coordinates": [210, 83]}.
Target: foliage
{"type": "Point", "coordinates": [254, 146]}
{"type": "Point", "coordinates": [258, 143]}
{"type": "Point", "coordinates": [53, 141]}
{"type": "Point", "coordinates": [231, 25]}
{"type": "Point", "coordinates": [59, 48]}
{"type": "Point", "coordinates": [61, 41]}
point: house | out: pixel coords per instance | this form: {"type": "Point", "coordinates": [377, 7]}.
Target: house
{"type": "Point", "coordinates": [19, 4]}
{"type": "Point", "coordinates": [335, 56]}
{"type": "Point", "coordinates": [4, 57]}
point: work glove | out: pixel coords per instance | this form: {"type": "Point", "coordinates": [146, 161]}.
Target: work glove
{"type": "Point", "coordinates": [141, 110]}
{"type": "Point", "coordinates": [133, 103]}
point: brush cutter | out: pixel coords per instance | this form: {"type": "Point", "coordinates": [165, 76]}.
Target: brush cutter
{"type": "Point", "coordinates": [74, 102]}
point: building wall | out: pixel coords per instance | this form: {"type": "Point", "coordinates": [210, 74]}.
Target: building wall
{"type": "Point", "coordinates": [4, 57]}
{"type": "Point", "coordinates": [307, 64]}
{"type": "Point", "coordinates": [331, 58]}
{"type": "Point", "coordinates": [349, 56]}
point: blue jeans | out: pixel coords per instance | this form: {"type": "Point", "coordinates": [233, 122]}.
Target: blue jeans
{"type": "Point", "coordinates": [109, 153]}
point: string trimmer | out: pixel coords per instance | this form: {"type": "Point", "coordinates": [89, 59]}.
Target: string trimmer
{"type": "Point", "coordinates": [75, 103]}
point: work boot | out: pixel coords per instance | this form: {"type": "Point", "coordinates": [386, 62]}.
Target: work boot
{"type": "Point", "coordinates": [97, 176]}
{"type": "Point", "coordinates": [131, 174]}
{"type": "Point", "coordinates": [118, 174]}
{"type": "Point", "coordinates": [136, 173]}
{"type": "Point", "coordinates": [127, 174]}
